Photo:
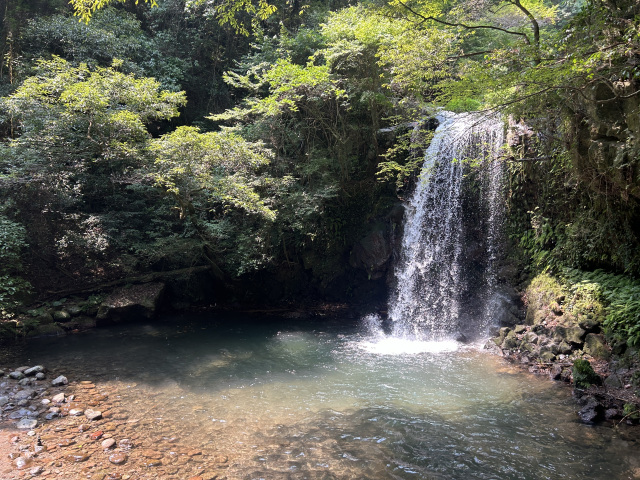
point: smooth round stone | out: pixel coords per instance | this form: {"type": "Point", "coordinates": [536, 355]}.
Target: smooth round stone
{"type": "Point", "coordinates": [118, 458]}
{"type": "Point", "coordinates": [76, 412]}
{"type": "Point", "coordinates": [27, 424]}
{"type": "Point", "coordinates": [151, 463]}
{"type": "Point", "coordinates": [36, 471]}
{"type": "Point", "coordinates": [34, 370]}
{"type": "Point", "coordinates": [59, 381]}
{"type": "Point", "coordinates": [45, 401]}
{"type": "Point", "coordinates": [77, 457]}
{"type": "Point", "coordinates": [22, 462]}
{"type": "Point", "coordinates": [59, 398]}
{"type": "Point", "coordinates": [40, 376]}
{"type": "Point", "coordinates": [108, 443]}
{"type": "Point", "coordinates": [93, 414]}
{"type": "Point", "coordinates": [97, 435]}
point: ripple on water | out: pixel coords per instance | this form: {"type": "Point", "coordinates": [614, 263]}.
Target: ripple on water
{"type": "Point", "coordinates": [285, 401]}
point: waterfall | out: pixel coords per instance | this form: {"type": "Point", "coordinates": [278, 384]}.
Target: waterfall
{"type": "Point", "coordinates": [445, 274]}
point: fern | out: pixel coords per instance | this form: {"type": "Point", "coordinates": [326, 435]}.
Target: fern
{"type": "Point", "coordinates": [621, 296]}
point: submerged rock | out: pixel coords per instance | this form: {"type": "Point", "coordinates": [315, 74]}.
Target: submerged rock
{"type": "Point", "coordinates": [27, 423]}
{"type": "Point", "coordinates": [34, 370]}
{"type": "Point", "coordinates": [59, 381]}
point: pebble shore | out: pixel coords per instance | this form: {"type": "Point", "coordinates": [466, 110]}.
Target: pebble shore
{"type": "Point", "coordinates": [52, 427]}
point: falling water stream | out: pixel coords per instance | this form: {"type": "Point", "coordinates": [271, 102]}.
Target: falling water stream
{"type": "Point", "coordinates": [338, 398]}
{"type": "Point", "coordinates": [439, 292]}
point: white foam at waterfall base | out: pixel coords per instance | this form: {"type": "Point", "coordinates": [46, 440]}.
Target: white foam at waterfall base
{"type": "Point", "coordinates": [375, 341]}
{"type": "Point", "coordinates": [407, 346]}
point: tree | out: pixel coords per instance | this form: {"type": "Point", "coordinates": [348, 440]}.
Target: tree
{"type": "Point", "coordinates": [79, 143]}
{"type": "Point", "coordinates": [214, 165]}
{"type": "Point", "coordinates": [226, 10]}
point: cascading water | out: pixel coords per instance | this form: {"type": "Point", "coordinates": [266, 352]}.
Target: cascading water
{"type": "Point", "coordinates": [445, 274]}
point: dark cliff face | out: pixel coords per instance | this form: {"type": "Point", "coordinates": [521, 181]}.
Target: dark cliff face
{"type": "Point", "coordinates": [606, 153]}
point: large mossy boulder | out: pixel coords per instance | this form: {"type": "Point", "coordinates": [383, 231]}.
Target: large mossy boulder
{"type": "Point", "coordinates": [596, 346]}
{"type": "Point", "coordinates": [131, 303]}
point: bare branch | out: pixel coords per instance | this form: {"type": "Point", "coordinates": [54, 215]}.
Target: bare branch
{"type": "Point", "coordinates": [465, 26]}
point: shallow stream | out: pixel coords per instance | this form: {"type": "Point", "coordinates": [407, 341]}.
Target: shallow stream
{"type": "Point", "coordinates": [334, 399]}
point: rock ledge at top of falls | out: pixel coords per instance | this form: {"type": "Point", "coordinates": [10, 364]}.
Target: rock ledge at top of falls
{"type": "Point", "coordinates": [131, 302]}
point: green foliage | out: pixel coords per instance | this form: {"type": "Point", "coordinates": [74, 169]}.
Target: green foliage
{"type": "Point", "coordinates": [12, 243]}
{"type": "Point", "coordinates": [583, 374]}
{"type": "Point", "coordinates": [621, 296]}
{"type": "Point", "coordinates": [217, 165]}
{"type": "Point", "coordinates": [86, 8]}
{"type": "Point", "coordinates": [111, 34]}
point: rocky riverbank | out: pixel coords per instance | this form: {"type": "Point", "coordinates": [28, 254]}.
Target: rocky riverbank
{"type": "Point", "coordinates": [53, 427]}
{"type": "Point", "coordinates": [73, 314]}
{"type": "Point", "coordinates": [562, 337]}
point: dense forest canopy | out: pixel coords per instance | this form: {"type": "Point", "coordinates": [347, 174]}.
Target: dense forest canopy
{"type": "Point", "coordinates": [266, 139]}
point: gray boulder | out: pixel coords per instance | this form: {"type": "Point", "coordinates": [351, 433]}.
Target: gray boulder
{"type": "Point", "coordinates": [131, 303]}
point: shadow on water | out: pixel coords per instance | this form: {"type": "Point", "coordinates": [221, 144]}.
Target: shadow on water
{"type": "Point", "coordinates": [193, 351]}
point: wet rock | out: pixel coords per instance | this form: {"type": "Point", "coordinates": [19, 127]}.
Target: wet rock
{"type": "Point", "coordinates": [76, 412]}
{"type": "Point", "coordinates": [556, 372]}
{"type": "Point", "coordinates": [16, 375]}
{"type": "Point", "coordinates": [96, 435]}
{"type": "Point", "coordinates": [74, 310]}
{"type": "Point", "coordinates": [22, 462]}
{"type": "Point", "coordinates": [61, 316]}
{"type": "Point", "coordinates": [22, 413]}
{"type": "Point", "coordinates": [40, 376]}
{"type": "Point", "coordinates": [519, 329]}
{"type": "Point", "coordinates": [131, 302]}
{"type": "Point", "coordinates": [92, 414]}
{"type": "Point", "coordinates": [611, 413]}
{"type": "Point", "coordinates": [3, 400]}
{"type": "Point", "coordinates": [547, 356]}
{"type": "Point", "coordinates": [35, 471]}
{"type": "Point", "coordinates": [596, 346]}
{"type": "Point", "coordinates": [589, 324]}
{"type": "Point", "coordinates": [25, 382]}
{"type": "Point", "coordinates": [613, 381]}
{"type": "Point", "coordinates": [76, 457]}
{"type": "Point", "coordinates": [510, 341]}
{"type": "Point", "coordinates": [27, 424]}
{"type": "Point", "coordinates": [33, 370]}
{"type": "Point", "coordinates": [59, 381]}
{"type": "Point", "coordinates": [59, 398]}
{"type": "Point", "coordinates": [151, 454]}
{"type": "Point", "coordinates": [591, 410]}
{"type": "Point", "coordinates": [118, 458]}
{"type": "Point", "coordinates": [108, 443]}
{"type": "Point", "coordinates": [572, 335]}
